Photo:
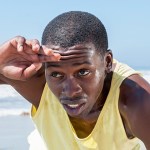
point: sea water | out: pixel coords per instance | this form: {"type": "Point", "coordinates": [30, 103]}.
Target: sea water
{"type": "Point", "coordinates": [11, 102]}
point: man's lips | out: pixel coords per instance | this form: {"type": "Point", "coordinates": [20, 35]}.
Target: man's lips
{"type": "Point", "coordinates": [73, 102]}
{"type": "Point", "coordinates": [74, 109]}
{"type": "Point", "coordinates": [74, 106]}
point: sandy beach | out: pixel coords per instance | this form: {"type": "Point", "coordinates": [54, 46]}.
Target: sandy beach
{"type": "Point", "coordinates": [14, 131]}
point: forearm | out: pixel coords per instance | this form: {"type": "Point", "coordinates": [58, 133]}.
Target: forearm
{"type": "Point", "coordinates": [30, 89]}
{"type": "Point", "coordinates": [2, 80]}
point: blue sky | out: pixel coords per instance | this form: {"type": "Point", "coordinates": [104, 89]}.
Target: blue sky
{"type": "Point", "coordinates": [127, 23]}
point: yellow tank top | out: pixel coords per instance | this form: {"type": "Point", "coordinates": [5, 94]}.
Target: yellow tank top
{"type": "Point", "coordinates": [58, 133]}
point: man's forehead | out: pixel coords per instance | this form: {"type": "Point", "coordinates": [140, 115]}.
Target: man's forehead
{"type": "Point", "coordinates": [77, 51]}
{"type": "Point", "coordinates": [78, 47]}
{"type": "Point", "coordinates": [75, 55]}
{"type": "Point", "coordinates": [73, 62]}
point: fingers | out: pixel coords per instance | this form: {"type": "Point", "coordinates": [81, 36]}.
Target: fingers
{"type": "Point", "coordinates": [53, 57]}
{"type": "Point", "coordinates": [30, 46]}
{"type": "Point", "coordinates": [27, 46]}
{"type": "Point", "coordinates": [34, 45]}
{"type": "Point", "coordinates": [31, 70]}
{"type": "Point", "coordinates": [31, 49]}
{"type": "Point", "coordinates": [45, 51]}
{"type": "Point", "coordinates": [47, 55]}
{"type": "Point", "coordinates": [18, 43]}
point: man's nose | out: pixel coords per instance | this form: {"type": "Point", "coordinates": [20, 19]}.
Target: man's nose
{"type": "Point", "coordinates": [71, 87]}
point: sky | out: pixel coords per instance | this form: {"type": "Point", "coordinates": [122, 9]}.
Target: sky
{"type": "Point", "coordinates": [127, 23]}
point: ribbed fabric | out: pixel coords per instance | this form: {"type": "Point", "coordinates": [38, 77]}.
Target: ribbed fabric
{"type": "Point", "coordinates": [108, 134]}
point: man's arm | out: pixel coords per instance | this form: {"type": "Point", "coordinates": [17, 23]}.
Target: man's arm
{"type": "Point", "coordinates": [1, 81]}
{"type": "Point", "coordinates": [21, 66]}
{"type": "Point", "coordinates": [30, 89]}
{"type": "Point", "coordinates": [134, 106]}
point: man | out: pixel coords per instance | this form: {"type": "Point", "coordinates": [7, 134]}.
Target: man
{"type": "Point", "coordinates": [90, 101]}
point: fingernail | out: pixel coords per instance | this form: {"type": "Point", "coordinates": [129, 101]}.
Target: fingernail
{"type": "Point", "coordinates": [20, 48]}
{"type": "Point", "coordinates": [58, 56]}
{"type": "Point", "coordinates": [36, 47]}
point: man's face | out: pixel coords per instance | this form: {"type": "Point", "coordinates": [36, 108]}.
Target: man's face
{"type": "Point", "coordinates": [77, 79]}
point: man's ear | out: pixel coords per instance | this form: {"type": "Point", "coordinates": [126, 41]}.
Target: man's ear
{"type": "Point", "coordinates": [108, 61]}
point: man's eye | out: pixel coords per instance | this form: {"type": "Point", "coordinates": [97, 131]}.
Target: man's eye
{"type": "Point", "coordinates": [56, 75]}
{"type": "Point", "coordinates": [83, 72]}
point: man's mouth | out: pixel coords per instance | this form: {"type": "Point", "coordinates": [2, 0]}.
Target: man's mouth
{"type": "Point", "coordinates": [74, 107]}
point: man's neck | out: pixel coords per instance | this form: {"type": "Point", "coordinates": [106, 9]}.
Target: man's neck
{"type": "Point", "coordinates": [83, 127]}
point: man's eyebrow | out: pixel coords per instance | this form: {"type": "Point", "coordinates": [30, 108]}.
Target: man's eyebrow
{"type": "Point", "coordinates": [74, 64]}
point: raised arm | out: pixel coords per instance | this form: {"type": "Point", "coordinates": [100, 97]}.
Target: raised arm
{"type": "Point", "coordinates": [21, 66]}
{"type": "Point", "coordinates": [135, 107]}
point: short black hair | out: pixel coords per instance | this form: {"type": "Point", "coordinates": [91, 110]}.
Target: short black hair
{"type": "Point", "coordinates": [76, 27]}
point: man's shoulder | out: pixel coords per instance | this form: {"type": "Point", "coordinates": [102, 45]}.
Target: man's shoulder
{"type": "Point", "coordinates": [133, 89]}
{"type": "Point", "coordinates": [134, 96]}
{"type": "Point", "coordinates": [134, 105]}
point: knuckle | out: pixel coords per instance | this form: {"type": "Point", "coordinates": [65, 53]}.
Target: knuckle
{"type": "Point", "coordinates": [35, 41]}
{"type": "Point", "coordinates": [20, 37]}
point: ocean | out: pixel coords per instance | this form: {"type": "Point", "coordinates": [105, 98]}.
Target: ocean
{"type": "Point", "coordinates": [12, 103]}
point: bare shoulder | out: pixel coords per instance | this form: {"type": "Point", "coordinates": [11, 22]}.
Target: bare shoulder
{"type": "Point", "coordinates": [134, 91]}
{"type": "Point", "coordinates": [134, 106]}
